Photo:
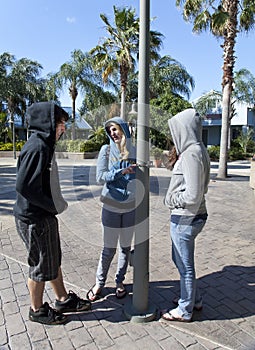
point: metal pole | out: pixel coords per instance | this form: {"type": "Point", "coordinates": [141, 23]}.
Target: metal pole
{"type": "Point", "coordinates": [140, 311]}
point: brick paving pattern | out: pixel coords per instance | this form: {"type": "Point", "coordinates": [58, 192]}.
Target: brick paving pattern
{"type": "Point", "coordinates": [225, 264]}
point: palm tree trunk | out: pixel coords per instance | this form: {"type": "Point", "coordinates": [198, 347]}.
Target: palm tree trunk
{"type": "Point", "coordinates": [73, 119]}
{"type": "Point", "coordinates": [226, 100]}
{"type": "Point", "coordinates": [123, 104]}
{"type": "Point", "coordinates": [231, 7]}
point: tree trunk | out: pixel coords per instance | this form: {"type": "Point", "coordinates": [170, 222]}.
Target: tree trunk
{"type": "Point", "coordinates": [123, 81]}
{"type": "Point", "coordinates": [230, 32]}
{"type": "Point", "coordinates": [226, 99]}
{"type": "Point", "coordinates": [73, 119]}
{"type": "Point", "coordinates": [123, 104]}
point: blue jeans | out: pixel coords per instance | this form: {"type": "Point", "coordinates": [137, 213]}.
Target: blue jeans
{"type": "Point", "coordinates": [183, 236]}
{"type": "Point", "coordinates": [118, 228]}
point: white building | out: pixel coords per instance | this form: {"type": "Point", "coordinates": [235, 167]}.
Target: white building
{"type": "Point", "coordinates": [244, 119]}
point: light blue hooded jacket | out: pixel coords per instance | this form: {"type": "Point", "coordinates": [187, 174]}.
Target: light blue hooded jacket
{"type": "Point", "coordinates": [191, 172]}
{"type": "Point", "coordinates": [118, 190]}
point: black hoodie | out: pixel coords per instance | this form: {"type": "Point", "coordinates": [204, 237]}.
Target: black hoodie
{"type": "Point", "coordinates": [37, 182]}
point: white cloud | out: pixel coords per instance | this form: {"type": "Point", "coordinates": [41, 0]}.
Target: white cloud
{"type": "Point", "coordinates": [71, 19]}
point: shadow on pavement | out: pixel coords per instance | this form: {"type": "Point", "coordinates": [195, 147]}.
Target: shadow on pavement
{"type": "Point", "coordinates": [227, 295]}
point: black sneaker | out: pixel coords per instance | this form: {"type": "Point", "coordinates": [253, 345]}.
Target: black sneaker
{"type": "Point", "coordinates": [47, 315]}
{"type": "Point", "coordinates": [73, 303]}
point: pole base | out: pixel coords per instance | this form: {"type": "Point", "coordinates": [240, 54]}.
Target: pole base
{"type": "Point", "coordinates": [139, 317]}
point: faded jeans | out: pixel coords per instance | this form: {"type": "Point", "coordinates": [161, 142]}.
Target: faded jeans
{"type": "Point", "coordinates": [183, 236]}
{"type": "Point", "coordinates": [118, 229]}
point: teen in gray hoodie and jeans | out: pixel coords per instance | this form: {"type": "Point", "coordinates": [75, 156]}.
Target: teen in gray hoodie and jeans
{"type": "Point", "coordinates": [116, 171]}
{"type": "Point", "coordinates": [186, 199]}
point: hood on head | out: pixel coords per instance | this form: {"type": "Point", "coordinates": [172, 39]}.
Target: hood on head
{"type": "Point", "coordinates": [41, 119]}
{"type": "Point", "coordinates": [123, 125]}
{"type": "Point", "coordinates": [186, 129]}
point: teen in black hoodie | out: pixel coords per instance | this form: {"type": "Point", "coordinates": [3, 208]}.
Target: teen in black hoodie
{"type": "Point", "coordinates": [39, 200]}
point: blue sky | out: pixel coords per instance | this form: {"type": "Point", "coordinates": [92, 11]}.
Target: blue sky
{"type": "Point", "coordinates": [49, 30]}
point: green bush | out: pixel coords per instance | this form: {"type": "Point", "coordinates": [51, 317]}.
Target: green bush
{"type": "Point", "coordinates": [61, 146]}
{"type": "Point", "coordinates": [99, 136]}
{"type": "Point", "coordinates": [214, 152]}
{"type": "Point", "coordinates": [78, 146]}
{"type": "Point", "coordinates": [9, 146]}
{"type": "Point", "coordinates": [235, 153]}
{"type": "Point", "coordinates": [75, 146]}
{"type": "Point", "coordinates": [156, 152]}
{"type": "Point", "coordinates": [6, 146]}
{"type": "Point", "coordinates": [251, 147]}
{"type": "Point", "coordinates": [91, 146]}
{"type": "Point", "coordinates": [19, 145]}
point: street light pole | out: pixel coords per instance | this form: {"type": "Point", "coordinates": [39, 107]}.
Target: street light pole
{"type": "Point", "coordinates": [140, 311]}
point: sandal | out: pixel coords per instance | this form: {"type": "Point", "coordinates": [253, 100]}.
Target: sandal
{"type": "Point", "coordinates": [91, 296]}
{"type": "Point", "coordinates": [120, 292]}
{"type": "Point", "coordinates": [168, 316]}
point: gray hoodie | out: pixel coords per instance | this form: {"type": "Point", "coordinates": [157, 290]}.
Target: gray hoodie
{"type": "Point", "coordinates": [118, 190]}
{"type": "Point", "coordinates": [191, 172]}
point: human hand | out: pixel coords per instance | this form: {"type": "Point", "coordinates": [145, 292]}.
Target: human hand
{"type": "Point", "coordinates": [129, 170]}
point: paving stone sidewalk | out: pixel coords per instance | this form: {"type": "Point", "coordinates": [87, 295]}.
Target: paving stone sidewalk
{"type": "Point", "coordinates": [225, 264]}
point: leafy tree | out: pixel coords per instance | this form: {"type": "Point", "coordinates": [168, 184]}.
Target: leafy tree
{"type": "Point", "coordinates": [4, 130]}
{"type": "Point", "coordinates": [163, 108]}
{"type": "Point", "coordinates": [169, 81]}
{"type": "Point", "coordinates": [225, 19]}
{"type": "Point", "coordinates": [6, 62]}
{"type": "Point", "coordinates": [119, 51]}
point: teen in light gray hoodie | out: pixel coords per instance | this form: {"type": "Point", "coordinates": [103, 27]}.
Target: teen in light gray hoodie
{"type": "Point", "coordinates": [186, 199]}
{"type": "Point", "coordinates": [116, 171]}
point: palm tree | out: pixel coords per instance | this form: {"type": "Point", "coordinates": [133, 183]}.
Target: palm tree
{"type": "Point", "coordinates": [207, 101]}
{"type": "Point", "coordinates": [23, 86]}
{"type": "Point", "coordinates": [224, 18]}
{"type": "Point", "coordinates": [168, 76]}
{"type": "Point", "coordinates": [79, 74]}
{"type": "Point", "coordinates": [18, 86]}
{"type": "Point", "coordinates": [244, 84]}
{"type": "Point", "coordinates": [95, 106]}
{"type": "Point", "coordinates": [244, 91]}
{"type": "Point", "coordinates": [120, 50]}
{"type": "Point", "coordinates": [51, 87]}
